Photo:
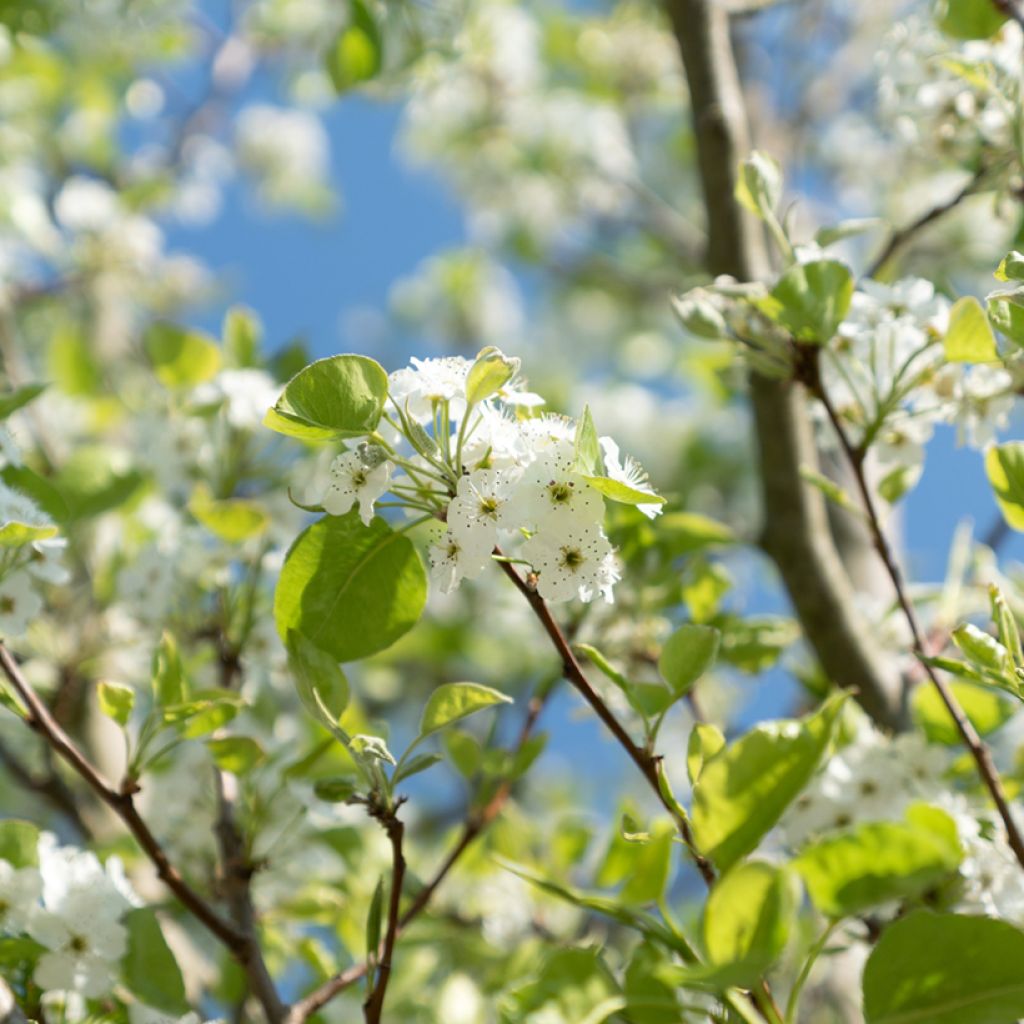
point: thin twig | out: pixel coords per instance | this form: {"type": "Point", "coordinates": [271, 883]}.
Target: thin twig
{"type": "Point", "coordinates": [901, 236]}
{"type": "Point", "coordinates": [645, 761]}
{"type": "Point", "coordinates": [374, 1005]}
{"type": "Point", "coordinates": [121, 802]}
{"type": "Point", "coordinates": [979, 751]}
{"type": "Point", "coordinates": [475, 825]}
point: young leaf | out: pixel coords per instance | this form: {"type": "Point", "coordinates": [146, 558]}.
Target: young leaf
{"type": "Point", "coordinates": [747, 919]}
{"type": "Point", "coordinates": [230, 519]}
{"type": "Point", "coordinates": [1011, 267]}
{"type": "Point", "coordinates": [116, 701]}
{"type": "Point", "coordinates": [12, 401]}
{"type": "Point", "coordinates": [969, 338]}
{"type": "Point", "coordinates": [19, 843]}
{"type": "Point", "coordinates": [373, 921]}
{"type": "Point", "coordinates": [985, 707]}
{"type": "Point", "coordinates": [168, 676]}
{"type": "Point", "coordinates": [706, 740]}
{"type": "Point", "coordinates": [969, 19]}
{"type": "Point", "coordinates": [453, 701]}
{"type": "Point", "coordinates": [744, 789]}
{"type": "Point", "coordinates": [880, 861]}
{"type": "Point", "coordinates": [491, 371]}
{"type": "Point", "coordinates": [336, 789]}
{"type": "Point", "coordinates": [236, 754]}
{"type": "Point", "coordinates": [350, 589]}
{"type": "Point", "coordinates": [341, 396]}
{"type": "Point", "coordinates": [1004, 464]}
{"type": "Point", "coordinates": [180, 357]}
{"type": "Point", "coordinates": [355, 56]}
{"type": "Point", "coordinates": [315, 670]}
{"type": "Point", "coordinates": [945, 969]}
{"type": "Point", "coordinates": [810, 299]}
{"type": "Point", "coordinates": [149, 969]}
{"type": "Point", "coordinates": [588, 450]}
{"type": "Point", "coordinates": [418, 764]}
{"type": "Point", "coordinates": [688, 653]}
{"type": "Point", "coordinates": [759, 184]}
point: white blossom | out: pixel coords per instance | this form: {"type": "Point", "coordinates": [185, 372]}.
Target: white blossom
{"type": "Point", "coordinates": [453, 559]}
{"type": "Point", "coordinates": [575, 562]}
{"type": "Point", "coordinates": [352, 481]}
{"type": "Point", "coordinates": [19, 604]}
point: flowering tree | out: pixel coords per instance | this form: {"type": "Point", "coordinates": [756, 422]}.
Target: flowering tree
{"type": "Point", "coordinates": [293, 649]}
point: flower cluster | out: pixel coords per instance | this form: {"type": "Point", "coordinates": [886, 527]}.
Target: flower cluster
{"type": "Point", "coordinates": [887, 376]}
{"type": "Point", "coordinates": [494, 472]}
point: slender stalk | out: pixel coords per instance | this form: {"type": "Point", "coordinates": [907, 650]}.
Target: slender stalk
{"type": "Point", "coordinates": [979, 751]}
{"type": "Point", "coordinates": [121, 802]}
{"type": "Point", "coordinates": [793, 1003]}
{"type": "Point", "coordinates": [374, 1005]}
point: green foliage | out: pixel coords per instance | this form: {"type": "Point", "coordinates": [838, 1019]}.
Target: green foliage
{"type": "Point", "coordinates": [454, 701]}
{"type": "Point", "coordinates": [743, 790]}
{"type": "Point", "coordinates": [490, 372]}
{"type": "Point", "coordinates": [350, 589]}
{"type": "Point", "coordinates": [880, 861]}
{"type": "Point", "coordinates": [12, 401]}
{"type": "Point", "coordinates": [19, 841]}
{"type": "Point", "coordinates": [985, 708]}
{"type": "Point", "coordinates": [687, 654]}
{"type": "Point", "coordinates": [235, 754]}
{"type": "Point", "coordinates": [355, 56]}
{"type": "Point", "coordinates": [747, 919]}
{"type": "Point", "coordinates": [314, 671]}
{"type": "Point", "coordinates": [969, 19]}
{"type": "Point", "coordinates": [573, 986]}
{"type": "Point", "coordinates": [116, 701]}
{"type": "Point", "coordinates": [969, 337]}
{"type": "Point", "coordinates": [1004, 464]}
{"type": "Point", "coordinates": [338, 397]}
{"type": "Point", "coordinates": [231, 519]}
{"type": "Point", "coordinates": [642, 868]}
{"type": "Point", "coordinates": [810, 299]}
{"type": "Point", "coordinates": [181, 358]}
{"type": "Point", "coordinates": [945, 969]}
{"type": "Point", "coordinates": [759, 184]}
{"type": "Point", "coordinates": [149, 969]}
{"type": "Point", "coordinates": [168, 675]}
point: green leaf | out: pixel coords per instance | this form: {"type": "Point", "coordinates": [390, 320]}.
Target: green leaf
{"type": "Point", "coordinates": [336, 789]}
{"type": "Point", "coordinates": [465, 752]}
{"type": "Point", "coordinates": [1006, 314]}
{"type": "Point", "coordinates": [932, 968]}
{"type": "Point", "coordinates": [1004, 464]}
{"type": "Point", "coordinates": [418, 764]}
{"type": "Point", "coordinates": [969, 19]}
{"type": "Point", "coordinates": [149, 969]}
{"type": "Point", "coordinates": [341, 396]}
{"type": "Point", "coordinates": [16, 535]}
{"type": "Point", "coordinates": [810, 299]}
{"type": "Point", "coordinates": [684, 532]}
{"type": "Point", "coordinates": [355, 55]}
{"type": "Point", "coordinates": [587, 447]}
{"type": "Point", "coordinates": [168, 676]}
{"type": "Point", "coordinates": [314, 670]}
{"type": "Point", "coordinates": [759, 184]}
{"type": "Point", "coordinates": [744, 789]}
{"type": "Point", "coordinates": [969, 338]}
{"type": "Point", "coordinates": [699, 315]}
{"type": "Point", "coordinates": [373, 920]}
{"type": "Point", "coordinates": [572, 985]}
{"type": "Point", "coordinates": [19, 843]}
{"type": "Point", "coordinates": [616, 490]}
{"type": "Point", "coordinates": [491, 371]}
{"type": "Point", "coordinates": [236, 754]}
{"type": "Point", "coordinates": [747, 919]}
{"type": "Point", "coordinates": [94, 480]}
{"type": "Point", "coordinates": [849, 228]}
{"type": "Point", "coordinates": [116, 701]}
{"type": "Point", "coordinates": [231, 519]}
{"type": "Point", "coordinates": [1011, 268]}
{"type": "Point", "coordinates": [242, 333]}
{"type": "Point", "coordinates": [986, 709]}
{"type": "Point", "coordinates": [12, 401]}
{"type": "Point", "coordinates": [351, 589]}
{"type": "Point", "coordinates": [180, 357]}
{"type": "Point", "coordinates": [688, 653]}
{"type": "Point", "coordinates": [706, 740]}
{"type": "Point", "coordinates": [982, 649]}
{"type": "Point", "coordinates": [644, 867]}
{"type": "Point", "coordinates": [454, 701]}
{"type": "Point", "coordinates": [208, 711]}
{"type": "Point", "coordinates": [880, 861]}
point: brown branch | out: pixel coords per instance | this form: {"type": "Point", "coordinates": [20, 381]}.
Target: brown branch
{"type": "Point", "coordinates": [374, 1005]}
{"type": "Point", "coordinates": [237, 868]}
{"type": "Point", "coordinates": [906, 234]}
{"type": "Point", "coordinates": [476, 824]}
{"type": "Point", "coordinates": [121, 802]}
{"type": "Point", "coordinates": [645, 761]}
{"type": "Point", "coordinates": [795, 532]}
{"type": "Point", "coordinates": [979, 751]}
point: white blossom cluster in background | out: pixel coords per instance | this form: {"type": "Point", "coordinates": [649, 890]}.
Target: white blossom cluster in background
{"type": "Point", "coordinates": [939, 92]}
{"type": "Point", "coordinates": [874, 779]}
{"type": "Point", "coordinates": [887, 376]}
{"type": "Point", "coordinates": [513, 475]}
{"type": "Point", "coordinates": [543, 158]}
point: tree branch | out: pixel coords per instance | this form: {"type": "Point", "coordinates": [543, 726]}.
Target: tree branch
{"type": "Point", "coordinates": [795, 531]}
{"type": "Point", "coordinates": [41, 720]}
{"type": "Point", "coordinates": [902, 236]}
{"type": "Point", "coordinates": [981, 754]}
{"type": "Point", "coordinates": [475, 825]}
{"type": "Point", "coordinates": [374, 1005]}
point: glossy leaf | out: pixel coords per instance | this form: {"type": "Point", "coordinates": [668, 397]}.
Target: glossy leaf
{"type": "Point", "coordinates": [969, 338]}
{"type": "Point", "coordinates": [810, 300]}
{"type": "Point", "coordinates": [312, 670]}
{"type": "Point", "coordinates": [1004, 464]}
{"type": "Point", "coordinates": [116, 701]}
{"type": "Point", "coordinates": [687, 654]}
{"type": "Point", "coordinates": [19, 843]}
{"type": "Point", "coordinates": [453, 701]}
{"type": "Point", "coordinates": [149, 969]}
{"type": "Point", "coordinates": [232, 519]}
{"type": "Point", "coordinates": [181, 358]}
{"type": "Point", "coordinates": [236, 754]}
